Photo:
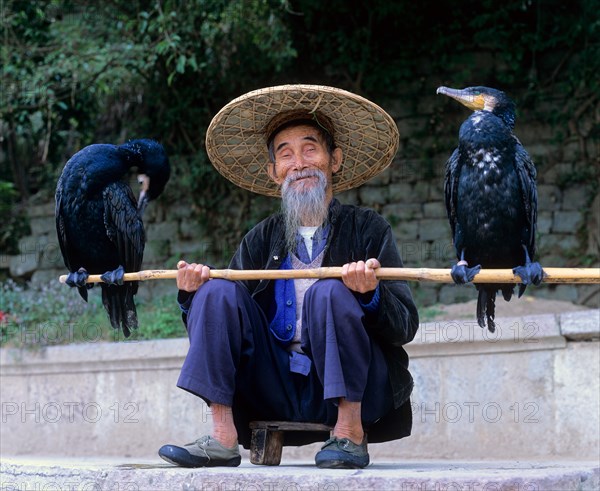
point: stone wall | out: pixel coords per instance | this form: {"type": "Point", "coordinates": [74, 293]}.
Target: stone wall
{"type": "Point", "coordinates": [409, 194]}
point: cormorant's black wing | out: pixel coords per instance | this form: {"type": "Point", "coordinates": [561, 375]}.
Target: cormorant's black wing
{"type": "Point", "coordinates": [451, 188]}
{"type": "Point", "coordinates": [527, 175]}
{"type": "Point", "coordinates": [60, 227]}
{"type": "Point", "coordinates": [124, 226]}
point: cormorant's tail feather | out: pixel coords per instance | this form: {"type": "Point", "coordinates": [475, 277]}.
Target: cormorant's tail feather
{"type": "Point", "coordinates": [120, 307]}
{"type": "Point", "coordinates": [481, 305]}
{"type": "Point", "coordinates": [83, 291]}
{"type": "Point", "coordinates": [130, 321]}
{"type": "Point", "coordinates": [112, 305]}
{"type": "Point", "coordinates": [507, 292]}
{"type": "Point", "coordinates": [486, 307]}
{"type": "Point", "coordinates": [486, 303]}
{"type": "Point", "coordinates": [491, 310]}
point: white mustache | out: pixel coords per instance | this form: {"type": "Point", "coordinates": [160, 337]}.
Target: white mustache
{"type": "Point", "coordinates": [302, 174]}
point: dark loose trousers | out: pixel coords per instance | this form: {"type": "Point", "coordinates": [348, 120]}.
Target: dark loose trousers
{"type": "Point", "coordinates": [235, 361]}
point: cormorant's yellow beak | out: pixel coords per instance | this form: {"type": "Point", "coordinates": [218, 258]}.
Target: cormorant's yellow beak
{"type": "Point", "coordinates": [475, 102]}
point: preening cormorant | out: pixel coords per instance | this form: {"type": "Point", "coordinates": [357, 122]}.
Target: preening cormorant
{"type": "Point", "coordinates": [99, 222]}
{"type": "Point", "coordinates": [491, 198]}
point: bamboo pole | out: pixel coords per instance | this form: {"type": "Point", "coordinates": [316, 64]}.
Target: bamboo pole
{"type": "Point", "coordinates": [553, 275]}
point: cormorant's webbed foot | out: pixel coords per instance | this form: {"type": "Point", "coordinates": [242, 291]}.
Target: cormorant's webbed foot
{"type": "Point", "coordinates": [114, 277]}
{"type": "Point", "coordinates": [461, 273]}
{"type": "Point", "coordinates": [78, 279]}
{"type": "Point", "coordinates": [530, 273]}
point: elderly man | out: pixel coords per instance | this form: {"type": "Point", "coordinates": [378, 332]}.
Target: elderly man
{"type": "Point", "coordinates": [325, 351]}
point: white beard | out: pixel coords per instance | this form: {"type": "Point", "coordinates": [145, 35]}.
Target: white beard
{"type": "Point", "coordinates": [303, 206]}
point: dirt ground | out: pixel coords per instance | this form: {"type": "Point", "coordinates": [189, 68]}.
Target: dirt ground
{"type": "Point", "coordinates": [517, 307]}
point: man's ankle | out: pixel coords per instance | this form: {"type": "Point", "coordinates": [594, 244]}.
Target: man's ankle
{"type": "Point", "coordinates": [227, 438]}
{"type": "Point", "coordinates": [349, 424]}
{"type": "Point", "coordinates": [354, 436]}
{"type": "Point", "coordinates": [224, 430]}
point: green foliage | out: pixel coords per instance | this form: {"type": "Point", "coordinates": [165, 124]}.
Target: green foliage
{"type": "Point", "coordinates": [42, 315]}
{"type": "Point", "coordinates": [214, 39]}
{"type": "Point", "coordinates": [57, 69]}
{"type": "Point", "coordinates": [14, 222]}
{"type": "Point", "coordinates": [34, 316]}
{"type": "Point", "coordinates": [380, 47]}
{"type": "Point", "coordinates": [429, 313]}
{"type": "Point", "coordinates": [159, 319]}
{"type": "Point", "coordinates": [76, 72]}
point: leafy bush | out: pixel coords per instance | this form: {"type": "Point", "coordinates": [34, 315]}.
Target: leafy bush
{"type": "Point", "coordinates": [14, 222]}
{"type": "Point", "coordinates": [159, 319]}
{"type": "Point", "coordinates": [34, 316]}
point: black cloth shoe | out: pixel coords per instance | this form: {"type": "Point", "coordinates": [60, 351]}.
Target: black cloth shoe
{"type": "Point", "coordinates": [341, 453]}
{"type": "Point", "coordinates": [204, 452]}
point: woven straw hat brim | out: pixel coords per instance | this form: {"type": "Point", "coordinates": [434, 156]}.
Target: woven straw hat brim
{"type": "Point", "coordinates": [236, 140]}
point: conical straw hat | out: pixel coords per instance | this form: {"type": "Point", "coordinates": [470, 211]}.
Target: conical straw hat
{"type": "Point", "coordinates": [236, 141]}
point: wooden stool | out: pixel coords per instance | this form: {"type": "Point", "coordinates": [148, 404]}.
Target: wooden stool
{"type": "Point", "coordinates": [267, 439]}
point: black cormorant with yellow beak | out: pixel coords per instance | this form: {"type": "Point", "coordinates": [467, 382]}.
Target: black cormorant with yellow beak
{"type": "Point", "coordinates": [491, 198]}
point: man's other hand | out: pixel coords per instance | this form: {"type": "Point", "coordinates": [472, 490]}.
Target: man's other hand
{"type": "Point", "coordinates": [192, 276]}
{"type": "Point", "coordinates": [360, 276]}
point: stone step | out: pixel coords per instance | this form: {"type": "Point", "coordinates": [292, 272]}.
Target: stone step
{"type": "Point", "coordinates": [19, 474]}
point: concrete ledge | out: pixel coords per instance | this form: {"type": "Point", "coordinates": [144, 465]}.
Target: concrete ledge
{"type": "Point", "coordinates": [465, 337]}
{"type": "Point", "coordinates": [524, 392]}
{"type": "Point", "coordinates": [580, 326]}
{"type": "Point", "coordinates": [93, 357]}
{"type": "Point", "coordinates": [438, 338]}
{"type": "Point", "coordinates": [111, 475]}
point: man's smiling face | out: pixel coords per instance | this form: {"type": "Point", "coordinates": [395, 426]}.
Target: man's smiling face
{"type": "Point", "coordinates": [299, 152]}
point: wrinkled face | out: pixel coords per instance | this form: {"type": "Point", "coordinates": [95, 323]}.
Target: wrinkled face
{"type": "Point", "coordinates": [298, 149]}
